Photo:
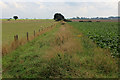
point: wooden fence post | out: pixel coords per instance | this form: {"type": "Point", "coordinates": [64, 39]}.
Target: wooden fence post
{"type": "Point", "coordinates": [34, 33]}
{"type": "Point", "coordinates": [27, 37]}
{"type": "Point", "coordinates": [15, 37]}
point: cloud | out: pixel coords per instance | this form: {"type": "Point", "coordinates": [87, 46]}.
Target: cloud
{"type": "Point", "coordinates": [41, 5]}
{"type": "Point", "coordinates": [68, 9]}
{"type": "Point", "coordinates": [61, 0]}
{"type": "Point", "coordinates": [2, 4]}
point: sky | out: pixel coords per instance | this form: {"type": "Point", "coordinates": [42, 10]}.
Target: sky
{"type": "Point", "coordinates": [41, 9]}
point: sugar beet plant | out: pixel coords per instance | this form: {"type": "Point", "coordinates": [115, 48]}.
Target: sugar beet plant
{"type": "Point", "coordinates": [104, 34]}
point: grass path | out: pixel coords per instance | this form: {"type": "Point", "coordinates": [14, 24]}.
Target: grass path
{"type": "Point", "coordinates": [63, 52]}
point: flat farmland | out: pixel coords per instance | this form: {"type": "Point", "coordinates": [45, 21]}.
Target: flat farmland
{"type": "Point", "coordinates": [69, 50]}
{"type": "Point", "coordinates": [104, 34]}
{"type": "Point", "coordinates": [93, 20]}
{"type": "Point", "coordinates": [21, 27]}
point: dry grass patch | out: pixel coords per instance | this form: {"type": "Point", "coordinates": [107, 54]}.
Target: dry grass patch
{"type": "Point", "coordinates": [64, 42]}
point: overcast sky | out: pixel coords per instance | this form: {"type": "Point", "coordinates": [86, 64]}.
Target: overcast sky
{"type": "Point", "coordinates": [46, 10]}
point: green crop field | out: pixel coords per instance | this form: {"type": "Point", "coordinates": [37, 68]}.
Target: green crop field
{"type": "Point", "coordinates": [68, 50]}
{"type": "Point", "coordinates": [21, 27]}
{"type": "Point", "coordinates": [104, 34]}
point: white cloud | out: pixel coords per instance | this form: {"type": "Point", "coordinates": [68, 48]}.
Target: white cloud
{"type": "Point", "coordinates": [46, 9]}
{"type": "Point", "coordinates": [62, 0]}
{"type": "Point", "coordinates": [41, 5]}
{"type": "Point", "coordinates": [2, 4]}
{"type": "Point", "coordinates": [18, 5]}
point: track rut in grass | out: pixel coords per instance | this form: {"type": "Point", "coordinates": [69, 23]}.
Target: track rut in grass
{"type": "Point", "coordinates": [65, 41]}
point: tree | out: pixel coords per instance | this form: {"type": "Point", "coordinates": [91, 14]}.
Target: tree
{"type": "Point", "coordinates": [9, 19]}
{"type": "Point", "coordinates": [77, 17]}
{"type": "Point", "coordinates": [58, 17]}
{"type": "Point", "coordinates": [15, 17]}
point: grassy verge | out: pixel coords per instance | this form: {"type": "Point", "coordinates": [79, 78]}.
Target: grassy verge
{"type": "Point", "coordinates": [27, 58]}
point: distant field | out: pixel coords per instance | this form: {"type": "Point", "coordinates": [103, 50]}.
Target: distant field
{"type": "Point", "coordinates": [94, 20]}
{"type": "Point", "coordinates": [21, 27]}
{"type": "Point", "coordinates": [104, 34]}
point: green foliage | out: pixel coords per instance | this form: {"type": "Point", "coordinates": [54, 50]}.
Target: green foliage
{"type": "Point", "coordinates": [104, 34]}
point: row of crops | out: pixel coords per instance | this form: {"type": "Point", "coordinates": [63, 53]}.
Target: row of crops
{"type": "Point", "coordinates": [104, 34]}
